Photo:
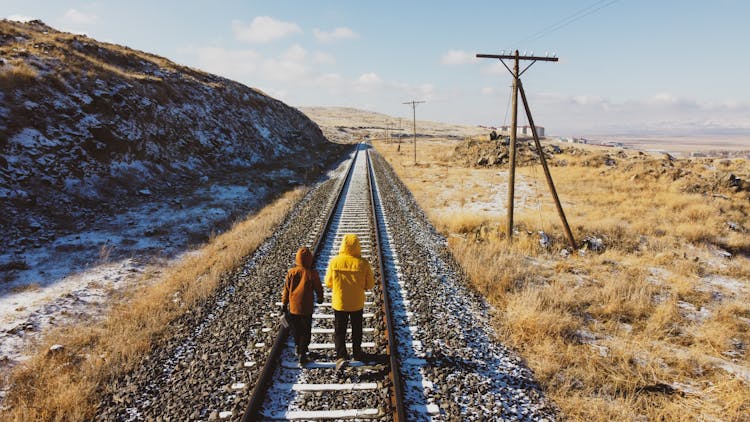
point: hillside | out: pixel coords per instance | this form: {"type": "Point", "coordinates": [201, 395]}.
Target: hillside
{"type": "Point", "coordinates": [88, 127]}
{"type": "Point", "coordinates": [112, 160]}
{"type": "Point", "coordinates": [344, 124]}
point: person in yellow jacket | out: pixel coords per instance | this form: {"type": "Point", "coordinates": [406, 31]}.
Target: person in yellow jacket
{"type": "Point", "coordinates": [348, 276]}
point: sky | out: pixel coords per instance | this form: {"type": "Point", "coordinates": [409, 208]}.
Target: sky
{"type": "Point", "coordinates": [626, 67]}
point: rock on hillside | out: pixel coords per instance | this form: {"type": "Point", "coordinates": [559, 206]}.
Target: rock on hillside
{"type": "Point", "coordinates": [496, 153]}
{"type": "Point", "coordinates": [86, 125]}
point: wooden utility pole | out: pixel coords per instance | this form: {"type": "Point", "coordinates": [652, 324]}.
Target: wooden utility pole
{"type": "Point", "coordinates": [517, 86]}
{"type": "Point", "coordinates": [513, 135]}
{"type": "Point", "coordinates": [414, 110]}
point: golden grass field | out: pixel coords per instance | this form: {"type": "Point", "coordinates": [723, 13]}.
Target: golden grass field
{"type": "Point", "coordinates": [655, 327]}
{"type": "Point", "coordinates": [67, 385]}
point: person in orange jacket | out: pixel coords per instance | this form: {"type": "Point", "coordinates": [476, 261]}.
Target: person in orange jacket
{"type": "Point", "coordinates": [348, 276]}
{"type": "Point", "coordinates": [297, 298]}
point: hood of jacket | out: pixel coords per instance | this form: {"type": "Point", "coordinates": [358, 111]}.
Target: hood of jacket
{"type": "Point", "coordinates": [304, 257]}
{"type": "Point", "coordinates": [350, 246]}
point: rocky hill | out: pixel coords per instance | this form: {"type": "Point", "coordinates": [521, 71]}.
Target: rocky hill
{"type": "Point", "coordinates": [88, 127]}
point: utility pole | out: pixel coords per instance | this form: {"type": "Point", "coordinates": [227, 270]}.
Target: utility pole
{"type": "Point", "coordinates": [399, 136]}
{"type": "Point", "coordinates": [414, 111]}
{"type": "Point", "coordinates": [517, 86]}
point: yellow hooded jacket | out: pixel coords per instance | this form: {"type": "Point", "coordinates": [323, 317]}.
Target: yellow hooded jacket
{"type": "Point", "coordinates": [348, 276]}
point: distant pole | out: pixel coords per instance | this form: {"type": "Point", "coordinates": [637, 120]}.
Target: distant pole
{"type": "Point", "coordinates": [399, 136]}
{"type": "Point", "coordinates": [414, 111]}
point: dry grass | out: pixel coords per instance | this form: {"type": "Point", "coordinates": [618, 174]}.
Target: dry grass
{"type": "Point", "coordinates": [16, 74]}
{"type": "Point", "coordinates": [66, 385]}
{"type": "Point", "coordinates": [78, 55]}
{"type": "Point", "coordinates": [638, 331]}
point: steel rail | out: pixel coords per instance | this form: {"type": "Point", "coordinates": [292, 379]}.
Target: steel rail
{"type": "Point", "coordinates": [261, 386]}
{"type": "Point", "coordinates": [398, 388]}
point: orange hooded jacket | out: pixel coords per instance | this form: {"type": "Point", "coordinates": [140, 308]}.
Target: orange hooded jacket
{"type": "Point", "coordinates": [348, 276]}
{"type": "Point", "coordinates": [300, 283]}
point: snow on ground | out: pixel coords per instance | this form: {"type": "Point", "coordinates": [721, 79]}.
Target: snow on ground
{"type": "Point", "coordinates": [74, 277]}
{"type": "Point", "coordinates": [496, 204]}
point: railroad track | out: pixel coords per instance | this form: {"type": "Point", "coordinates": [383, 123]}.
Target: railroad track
{"type": "Point", "coordinates": [373, 389]}
{"type": "Point", "coordinates": [438, 357]}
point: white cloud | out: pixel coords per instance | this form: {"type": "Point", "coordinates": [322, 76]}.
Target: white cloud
{"type": "Point", "coordinates": [589, 100]}
{"type": "Point", "coordinates": [235, 64]}
{"type": "Point", "coordinates": [294, 75]}
{"type": "Point", "coordinates": [285, 70]}
{"type": "Point", "coordinates": [19, 18]}
{"type": "Point", "coordinates": [341, 33]}
{"type": "Point", "coordinates": [370, 78]}
{"type": "Point", "coordinates": [427, 90]}
{"type": "Point", "coordinates": [488, 90]}
{"type": "Point", "coordinates": [368, 83]}
{"type": "Point", "coordinates": [457, 57]}
{"type": "Point", "coordinates": [323, 58]}
{"type": "Point", "coordinates": [294, 53]}
{"type": "Point", "coordinates": [76, 17]}
{"type": "Point", "coordinates": [263, 29]}
{"type": "Point", "coordinates": [331, 79]}
{"type": "Point", "coordinates": [253, 68]}
{"type": "Point", "coordinates": [495, 68]}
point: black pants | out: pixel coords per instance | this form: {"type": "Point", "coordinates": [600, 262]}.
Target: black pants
{"type": "Point", "coordinates": [342, 319]}
{"type": "Point", "coordinates": [301, 326]}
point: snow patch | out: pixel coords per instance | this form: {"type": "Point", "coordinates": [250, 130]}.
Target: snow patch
{"type": "Point", "coordinates": [72, 279]}
{"type": "Point", "coordinates": [31, 138]}
{"type": "Point", "coordinates": [264, 132]}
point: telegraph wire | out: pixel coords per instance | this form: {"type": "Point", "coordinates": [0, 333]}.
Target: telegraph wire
{"type": "Point", "coordinates": [580, 14]}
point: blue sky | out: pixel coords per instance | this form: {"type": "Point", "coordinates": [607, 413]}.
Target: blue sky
{"type": "Point", "coordinates": [626, 67]}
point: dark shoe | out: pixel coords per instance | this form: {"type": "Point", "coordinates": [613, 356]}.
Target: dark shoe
{"type": "Point", "coordinates": [341, 363]}
{"type": "Point", "coordinates": [303, 359]}
{"type": "Point", "coordinates": [361, 356]}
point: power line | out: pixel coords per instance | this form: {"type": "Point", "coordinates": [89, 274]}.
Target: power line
{"type": "Point", "coordinates": [580, 14]}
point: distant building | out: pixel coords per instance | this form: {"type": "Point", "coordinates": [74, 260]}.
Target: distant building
{"type": "Point", "coordinates": [524, 130]}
